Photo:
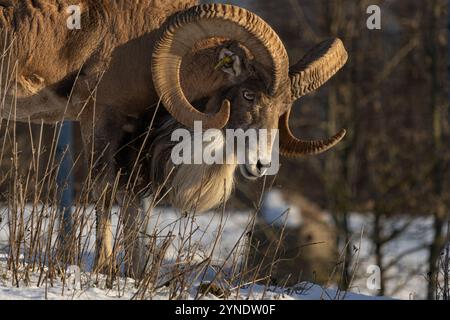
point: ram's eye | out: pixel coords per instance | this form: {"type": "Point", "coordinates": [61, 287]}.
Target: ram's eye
{"type": "Point", "coordinates": [248, 95]}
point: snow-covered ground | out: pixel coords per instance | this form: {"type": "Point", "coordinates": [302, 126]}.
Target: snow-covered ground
{"type": "Point", "coordinates": [94, 288]}
{"type": "Point", "coordinates": [408, 274]}
{"type": "Point", "coordinates": [408, 253]}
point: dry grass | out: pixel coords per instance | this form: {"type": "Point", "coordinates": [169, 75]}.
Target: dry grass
{"type": "Point", "coordinates": [39, 242]}
{"type": "Point", "coordinates": [443, 276]}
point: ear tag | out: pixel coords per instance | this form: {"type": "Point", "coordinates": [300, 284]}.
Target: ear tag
{"type": "Point", "coordinates": [224, 61]}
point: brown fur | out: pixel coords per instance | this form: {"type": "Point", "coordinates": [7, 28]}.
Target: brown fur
{"type": "Point", "coordinates": [115, 43]}
{"type": "Point", "coordinates": [198, 188]}
{"type": "Point", "coordinates": [106, 67]}
{"type": "Point", "coordinates": [111, 53]}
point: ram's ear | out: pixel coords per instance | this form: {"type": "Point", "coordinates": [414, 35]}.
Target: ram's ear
{"type": "Point", "coordinates": [230, 62]}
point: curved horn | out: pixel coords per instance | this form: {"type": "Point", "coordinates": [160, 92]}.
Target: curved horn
{"type": "Point", "coordinates": [185, 29]}
{"type": "Point", "coordinates": [292, 147]}
{"type": "Point", "coordinates": [317, 67]}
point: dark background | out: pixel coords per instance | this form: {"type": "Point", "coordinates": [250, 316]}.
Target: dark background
{"type": "Point", "coordinates": [392, 96]}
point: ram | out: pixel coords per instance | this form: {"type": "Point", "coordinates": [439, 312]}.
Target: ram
{"type": "Point", "coordinates": [129, 57]}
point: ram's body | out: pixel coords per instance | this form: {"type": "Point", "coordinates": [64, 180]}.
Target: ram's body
{"type": "Point", "coordinates": [115, 42]}
{"type": "Point", "coordinates": [130, 55]}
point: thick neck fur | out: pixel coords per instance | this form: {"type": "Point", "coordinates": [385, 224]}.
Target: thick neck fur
{"type": "Point", "coordinates": [191, 188]}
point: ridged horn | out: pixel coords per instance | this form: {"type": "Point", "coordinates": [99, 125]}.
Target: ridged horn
{"type": "Point", "coordinates": [311, 72]}
{"type": "Point", "coordinates": [201, 22]}
{"type": "Point", "coordinates": [317, 67]}
{"type": "Point", "coordinates": [292, 147]}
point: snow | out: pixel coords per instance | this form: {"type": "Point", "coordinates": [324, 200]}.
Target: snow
{"type": "Point", "coordinates": [276, 211]}
{"type": "Point", "coordinates": [231, 229]}
{"type": "Point", "coordinates": [92, 288]}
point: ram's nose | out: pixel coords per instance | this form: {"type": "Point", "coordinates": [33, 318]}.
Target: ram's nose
{"type": "Point", "coordinates": [255, 171]}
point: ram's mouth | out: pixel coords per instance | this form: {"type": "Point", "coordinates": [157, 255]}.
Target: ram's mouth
{"type": "Point", "coordinates": [247, 173]}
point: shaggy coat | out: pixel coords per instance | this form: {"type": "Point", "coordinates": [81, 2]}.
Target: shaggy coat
{"type": "Point", "coordinates": [127, 57]}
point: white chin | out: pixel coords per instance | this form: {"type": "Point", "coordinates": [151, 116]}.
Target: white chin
{"type": "Point", "coordinates": [247, 174]}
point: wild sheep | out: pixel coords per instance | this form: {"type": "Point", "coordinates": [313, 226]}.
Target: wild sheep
{"type": "Point", "coordinates": [130, 55]}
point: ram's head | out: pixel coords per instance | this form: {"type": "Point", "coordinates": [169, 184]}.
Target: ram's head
{"type": "Point", "coordinates": [262, 87]}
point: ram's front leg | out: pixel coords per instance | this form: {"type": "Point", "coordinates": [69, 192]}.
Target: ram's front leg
{"type": "Point", "coordinates": [102, 135]}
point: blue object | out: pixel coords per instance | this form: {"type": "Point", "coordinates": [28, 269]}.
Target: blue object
{"type": "Point", "coordinates": [65, 176]}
